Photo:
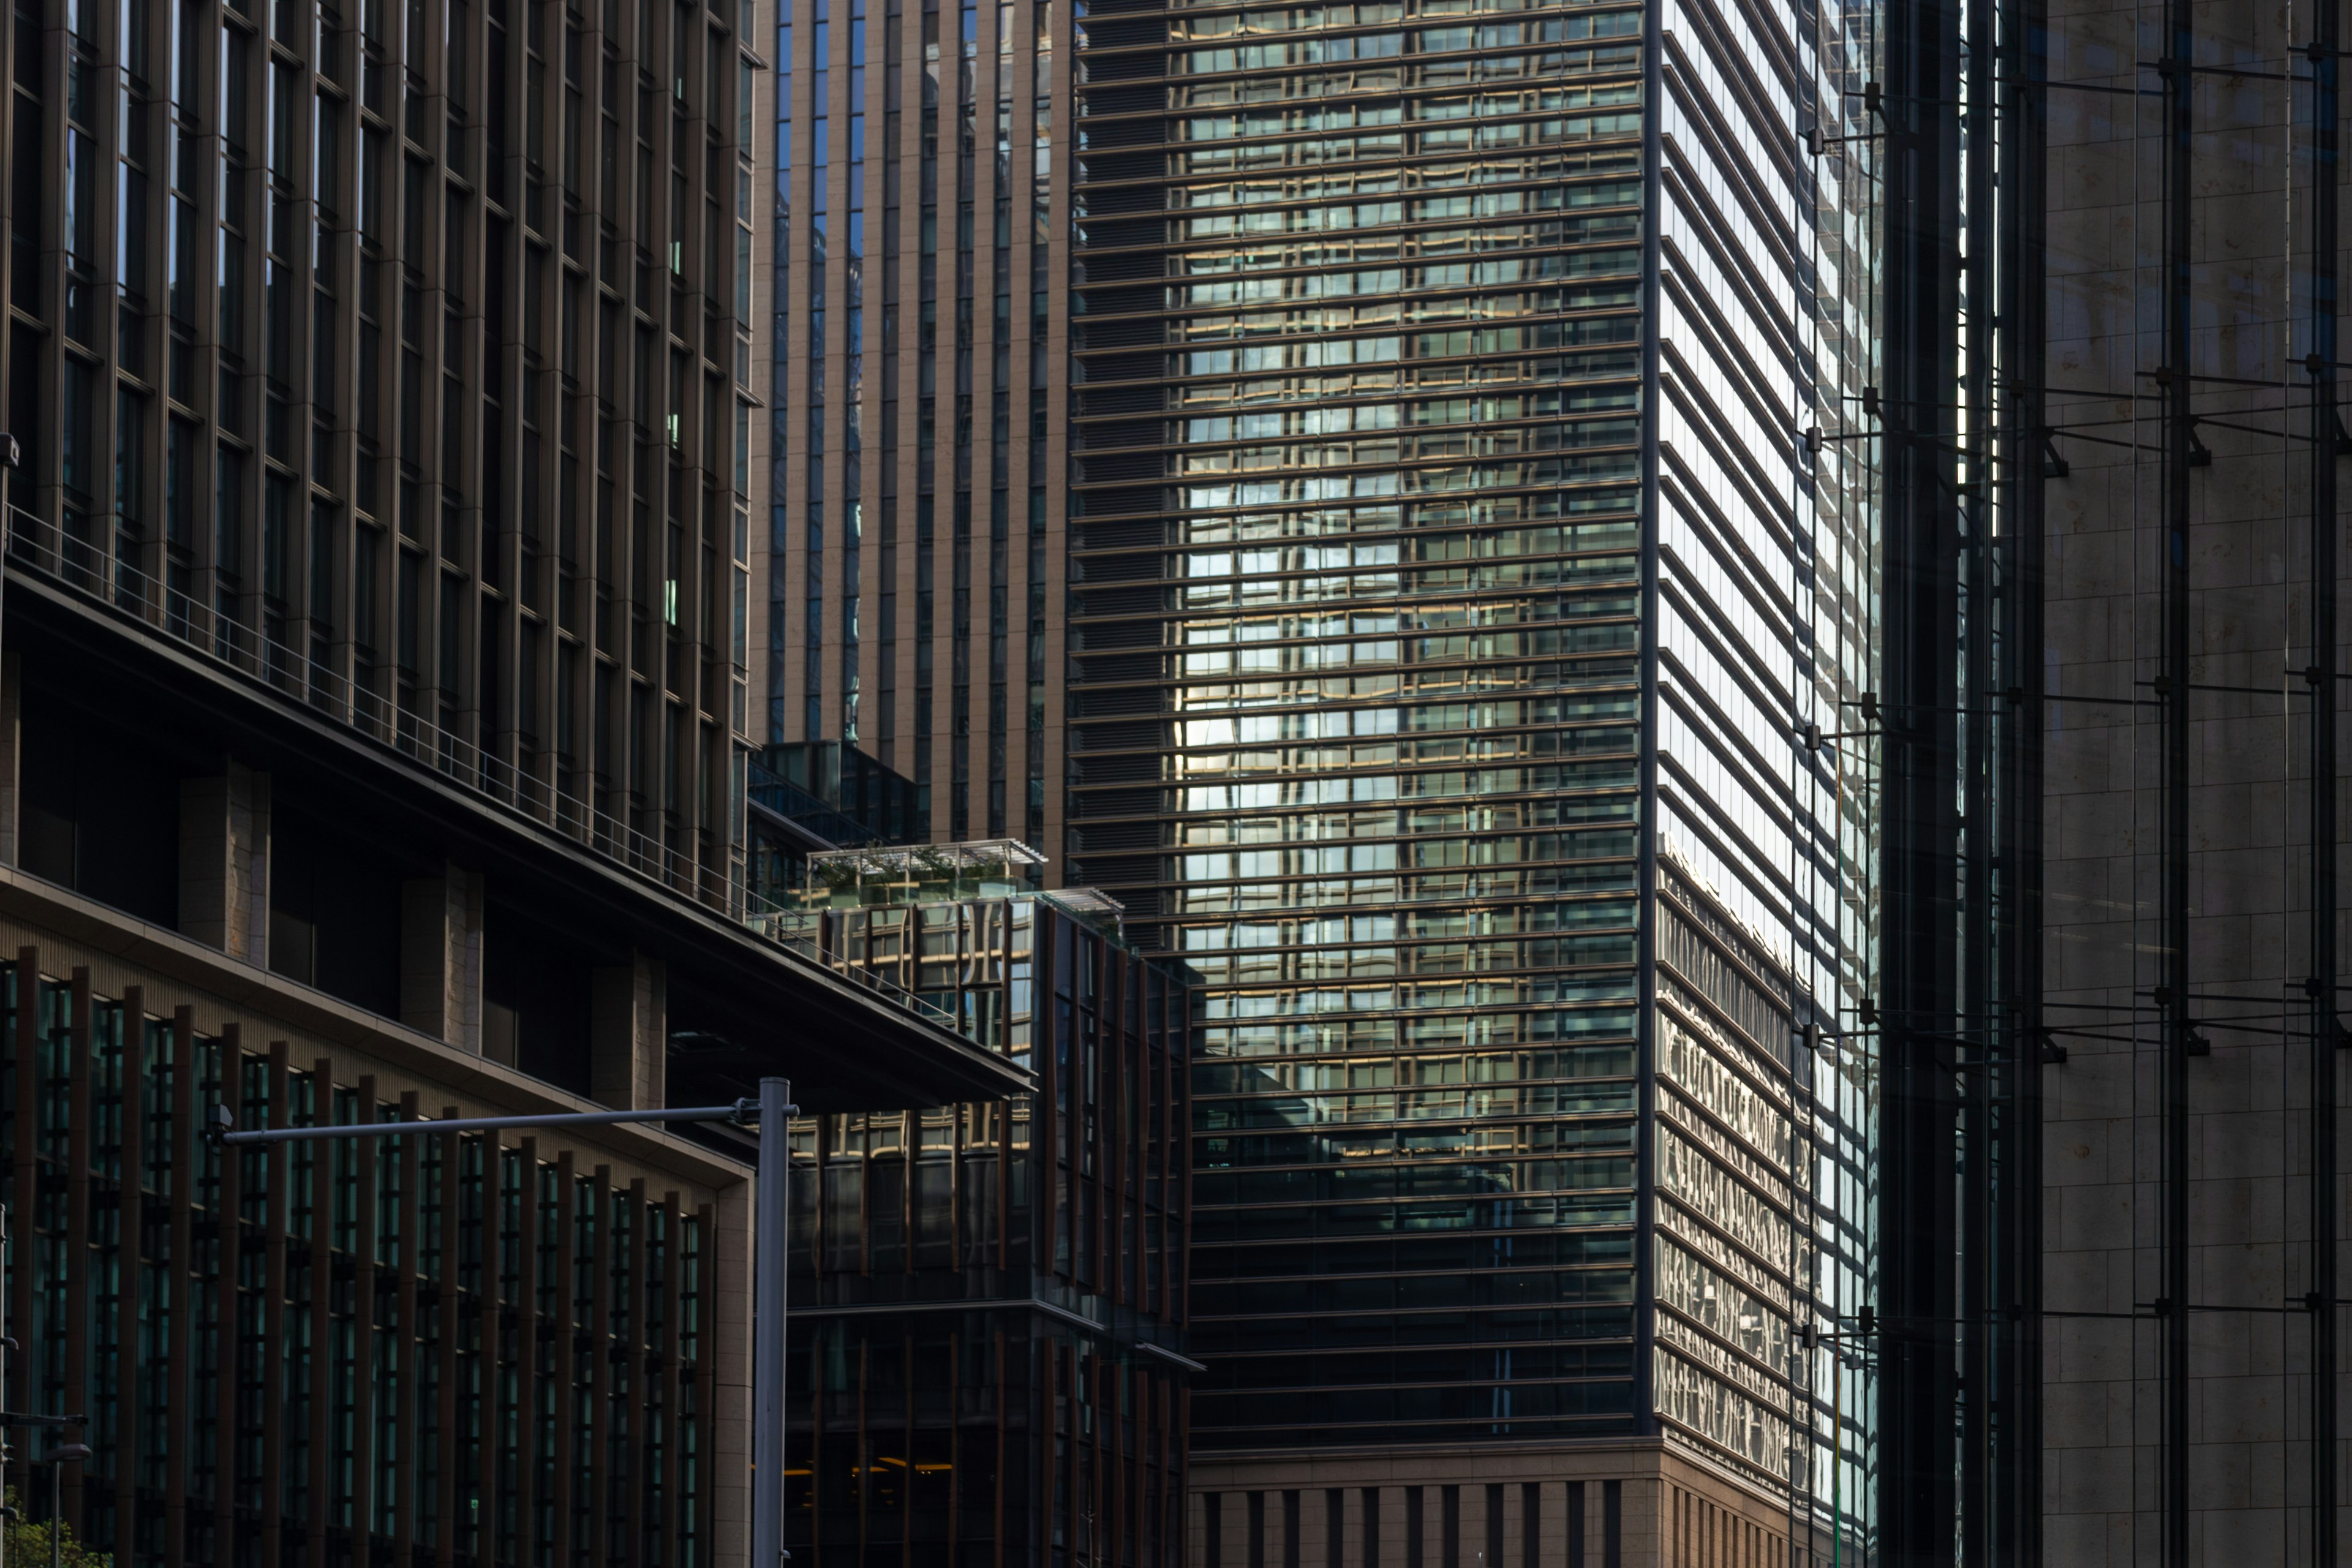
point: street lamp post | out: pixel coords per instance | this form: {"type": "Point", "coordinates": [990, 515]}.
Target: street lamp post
{"type": "Point", "coordinates": [60, 1457]}
{"type": "Point", "coordinates": [773, 1112]}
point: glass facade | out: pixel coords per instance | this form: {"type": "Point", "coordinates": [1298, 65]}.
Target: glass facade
{"type": "Point", "coordinates": [911, 361]}
{"type": "Point", "coordinates": [1453, 606]}
{"type": "Point", "coordinates": [393, 354]}
{"type": "Point", "coordinates": [1456, 624]}
{"type": "Point", "coordinates": [1358, 390]}
{"type": "Point", "coordinates": [990, 1298]}
{"type": "Point", "coordinates": [340, 1351]}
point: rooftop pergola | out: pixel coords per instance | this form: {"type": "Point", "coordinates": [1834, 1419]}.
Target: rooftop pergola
{"type": "Point", "coordinates": [920, 861]}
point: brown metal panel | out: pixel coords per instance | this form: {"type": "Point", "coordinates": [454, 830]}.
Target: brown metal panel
{"type": "Point", "coordinates": [364, 1433]}
{"type": "Point", "coordinates": [24, 1167]}
{"type": "Point", "coordinates": [323, 1322]}
{"type": "Point", "coordinates": [445, 1482]}
{"type": "Point", "coordinates": [407, 1350]}
{"type": "Point", "coordinates": [132, 1221]}
{"type": "Point", "coordinates": [273, 1164]}
{"type": "Point", "coordinates": [567, 1332]}
{"type": "Point", "coordinates": [179, 1346]}
{"type": "Point", "coordinates": [599, 1341]}
{"type": "Point", "coordinates": [228, 1248]}
{"type": "Point", "coordinates": [79, 1058]}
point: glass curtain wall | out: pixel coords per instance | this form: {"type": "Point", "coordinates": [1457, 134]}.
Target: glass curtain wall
{"type": "Point", "coordinates": [341, 1351]}
{"type": "Point", "coordinates": [1373, 510]}
{"type": "Point", "coordinates": [1358, 363]}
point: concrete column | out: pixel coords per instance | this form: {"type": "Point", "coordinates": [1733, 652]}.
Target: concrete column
{"type": "Point", "coordinates": [225, 862]}
{"type": "Point", "coordinates": [441, 956]}
{"type": "Point", "coordinates": [628, 1035]}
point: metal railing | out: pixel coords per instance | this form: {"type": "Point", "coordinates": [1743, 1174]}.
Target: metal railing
{"type": "Point", "coordinates": [272, 668]}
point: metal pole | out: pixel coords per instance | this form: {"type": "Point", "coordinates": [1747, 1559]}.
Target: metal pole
{"type": "Point", "coordinates": [57, 1512]}
{"type": "Point", "coordinates": [737, 1112]}
{"type": "Point", "coordinates": [773, 1224]}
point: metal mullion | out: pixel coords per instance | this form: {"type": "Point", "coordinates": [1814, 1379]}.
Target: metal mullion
{"type": "Point", "coordinates": [322, 1319]}
{"type": "Point", "coordinates": [525, 1308]}
{"type": "Point", "coordinates": [179, 1344]}
{"type": "Point", "coordinates": [131, 1222]}
{"type": "Point", "coordinates": [903, 442]}
{"type": "Point", "coordinates": [229, 1245]}
{"type": "Point", "coordinates": [1983, 1276]}
{"type": "Point", "coordinates": [599, 1374]}
{"type": "Point", "coordinates": [273, 1316]}
{"type": "Point", "coordinates": [407, 1359]}
{"type": "Point", "coordinates": [1073, 1393]}
{"type": "Point", "coordinates": [2324, 1090]}
{"type": "Point", "coordinates": [348, 393]}
{"type": "Point", "coordinates": [490, 1308]}
{"type": "Point", "coordinates": [1044, 1123]}
{"type": "Point", "coordinates": [447, 1406]}
{"type": "Point", "coordinates": [911, 1134]}
{"type": "Point", "coordinates": [79, 1060]}
{"type": "Point", "coordinates": [2178, 50]}
{"type": "Point", "coordinates": [673, 1388]}
{"type": "Point", "coordinates": [363, 1291]}
{"type": "Point", "coordinates": [26, 1166]}
{"type": "Point", "coordinates": [705, 1334]}
{"type": "Point", "coordinates": [302, 406]}
{"type": "Point", "coordinates": [630, 1492]}
{"type": "Point", "coordinates": [1110, 1060]}
{"type": "Point", "coordinates": [2022, 303]}
{"type": "Point", "coordinates": [563, 1427]}
{"type": "Point", "coordinates": [249, 414]}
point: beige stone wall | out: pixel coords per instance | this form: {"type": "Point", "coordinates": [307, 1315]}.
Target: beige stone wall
{"type": "Point", "coordinates": [2249, 557]}
{"type": "Point", "coordinates": [1639, 1504]}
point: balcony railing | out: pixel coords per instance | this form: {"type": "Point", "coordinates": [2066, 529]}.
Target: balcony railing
{"type": "Point", "coordinates": [274, 671]}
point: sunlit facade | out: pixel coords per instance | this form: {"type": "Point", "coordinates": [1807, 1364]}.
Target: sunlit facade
{"type": "Point", "coordinates": [1446, 577]}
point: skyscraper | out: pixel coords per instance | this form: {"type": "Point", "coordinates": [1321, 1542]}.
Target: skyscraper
{"type": "Point", "coordinates": [1371, 487]}
{"type": "Point", "coordinates": [369, 718]}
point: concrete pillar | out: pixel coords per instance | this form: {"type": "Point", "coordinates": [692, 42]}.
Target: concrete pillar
{"type": "Point", "coordinates": [225, 862]}
{"type": "Point", "coordinates": [441, 956]}
{"type": "Point", "coordinates": [628, 1035]}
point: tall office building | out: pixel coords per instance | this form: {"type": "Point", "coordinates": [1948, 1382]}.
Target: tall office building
{"type": "Point", "coordinates": [1340, 479]}
{"type": "Point", "coordinates": [369, 720]}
